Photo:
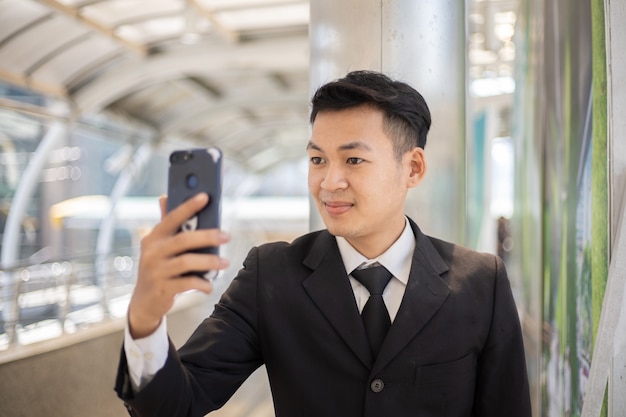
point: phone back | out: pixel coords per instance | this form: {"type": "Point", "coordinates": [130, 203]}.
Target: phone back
{"type": "Point", "coordinates": [191, 172]}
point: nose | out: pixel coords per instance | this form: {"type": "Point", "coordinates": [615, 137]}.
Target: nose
{"type": "Point", "coordinates": [334, 178]}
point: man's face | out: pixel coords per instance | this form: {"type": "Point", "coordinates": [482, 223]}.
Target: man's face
{"type": "Point", "coordinates": [356, 181]}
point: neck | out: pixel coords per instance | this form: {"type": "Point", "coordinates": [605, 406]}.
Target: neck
{"type": "Point", "coordinates": [372, 246]}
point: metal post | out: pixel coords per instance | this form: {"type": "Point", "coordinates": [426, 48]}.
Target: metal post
{"type": "Point", "coordinates": [11, 241]}
{"type": "Point", "coordinates": [107, 227]}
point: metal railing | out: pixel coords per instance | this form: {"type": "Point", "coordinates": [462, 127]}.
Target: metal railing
{"type": "Point", "coordinates": [45, 300]}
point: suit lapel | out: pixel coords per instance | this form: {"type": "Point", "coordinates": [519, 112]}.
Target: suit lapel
{"type": "Point", "coordinates": [425, 293]}
{"type": "Point", "coordinates": [329, 288]}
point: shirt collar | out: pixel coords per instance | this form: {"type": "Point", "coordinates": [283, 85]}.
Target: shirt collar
{"type": "Point", "coordinates": [397, 259]}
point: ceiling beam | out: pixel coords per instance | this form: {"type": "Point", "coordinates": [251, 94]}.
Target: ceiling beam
{"type": "Point", "coordinates": [270, 55]}
{"type": "Point", "coordinates": [75, 13]}
{"type": "Point", "coordinates": [23, 80]}
{"type": "Point", "coordinates": [229, 34]}
{"type": "Point", "coordinates": [200, 115]}
{"type": "Point", "coordinates": [227, 7]}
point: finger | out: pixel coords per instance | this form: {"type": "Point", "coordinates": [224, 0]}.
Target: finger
{"type": "Point", "coordinates": [191, 282]}
{"type": "Point", "coordinates": [163, 205]}
{"type": "Point", "coordinates": [160, 251]}
{"type": "Point", "coordinates": [180, 243]}
{"type": "Point", "coordinates": [174, 219]}
{"type": "Point", "coordinates": [197, 239]}
{"type": "Point", "coordinates": [192, 262]}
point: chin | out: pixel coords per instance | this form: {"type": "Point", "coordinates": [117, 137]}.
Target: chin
{"type": "Point", "coordinates": [333, 228]}
{"type": "Point", "coordinates": [340, 230]}
{"type": "Point", "coordinates": [344, 226]}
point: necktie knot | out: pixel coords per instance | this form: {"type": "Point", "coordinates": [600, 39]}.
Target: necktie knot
{"type": "Point", "coordinates": [374, 278]}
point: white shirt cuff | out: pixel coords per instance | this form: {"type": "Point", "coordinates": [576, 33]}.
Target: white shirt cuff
{"type": "Point", "coordinates": [145, 356]}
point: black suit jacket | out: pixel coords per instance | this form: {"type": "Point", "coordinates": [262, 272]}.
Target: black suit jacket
{"type": "Point", "coordinates": [455, 348]}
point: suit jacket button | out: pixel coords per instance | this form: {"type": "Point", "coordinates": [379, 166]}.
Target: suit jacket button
{"type": "Point", "coordinates": [377, 385]}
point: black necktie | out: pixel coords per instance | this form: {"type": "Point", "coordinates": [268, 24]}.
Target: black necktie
{"type": "Point", "coordinates": [375, 315]}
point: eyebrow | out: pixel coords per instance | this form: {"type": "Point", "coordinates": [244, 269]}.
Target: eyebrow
{"type": "Point", "coordinates": [348, 146]}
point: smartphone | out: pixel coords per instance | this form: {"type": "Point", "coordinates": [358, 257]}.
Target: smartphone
{"type": "Point", "coordinates": [191, 172]}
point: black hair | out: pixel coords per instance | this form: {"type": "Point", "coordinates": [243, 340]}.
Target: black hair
{"type": "Point", "coordinates": [406, 114]}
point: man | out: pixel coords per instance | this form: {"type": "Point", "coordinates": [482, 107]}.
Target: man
{"type": "Point", "coordinates": [454, 346]}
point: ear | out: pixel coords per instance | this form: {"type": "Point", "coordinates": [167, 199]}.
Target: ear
{"type": "Point", "coordinates": [417, 167]}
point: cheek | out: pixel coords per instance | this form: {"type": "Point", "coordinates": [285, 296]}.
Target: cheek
{"type": "Point", "coordinates": [386, 188]}
{"type": "Point", "coordinates": [315, 177]}
{"type": "Point", "coordinates": [313, 182]}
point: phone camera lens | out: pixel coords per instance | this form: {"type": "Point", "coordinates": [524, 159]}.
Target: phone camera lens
{"type": "Point", "coordinates": [178, 157]}
{"type": "Point", "coordinates": [192, 181]}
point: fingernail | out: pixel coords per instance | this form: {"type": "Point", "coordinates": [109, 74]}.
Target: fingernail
{"type": "Point", "coordinates": [224, 237]}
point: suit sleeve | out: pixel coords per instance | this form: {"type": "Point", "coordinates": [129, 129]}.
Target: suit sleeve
{"type": "Point", "coordinates": [218, 357]}
{"type": "Point", "coordinates": [502, 382]}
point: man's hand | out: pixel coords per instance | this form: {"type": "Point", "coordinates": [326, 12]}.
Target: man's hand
{"type": "Point", "coordinates": [164, 259]}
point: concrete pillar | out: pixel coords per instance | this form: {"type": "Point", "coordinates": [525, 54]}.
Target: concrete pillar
{"type": "Point", "coordinates": [422, 43]}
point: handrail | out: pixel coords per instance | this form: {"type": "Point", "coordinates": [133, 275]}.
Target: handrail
{"type": "Point", "coordinates": [62, 295]}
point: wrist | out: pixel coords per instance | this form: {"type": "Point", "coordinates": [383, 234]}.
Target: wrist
{"type": "Point", "coordinates": [140, 327]}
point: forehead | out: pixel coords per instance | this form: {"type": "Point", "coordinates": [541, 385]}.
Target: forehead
{"type": "Point", "coordinates": [355, 128]}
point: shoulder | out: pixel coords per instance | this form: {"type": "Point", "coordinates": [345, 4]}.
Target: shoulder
{"type": "Point", "coordinates": [305, 242]}
{"type": "Point", "coordinates": [444, 255]}
{"type": "Point", "coordinates": [298, 249]}
{"type": "Point", "coordinates": [478, 275]}
{"type": "Point", "coordinates": [456, 254]}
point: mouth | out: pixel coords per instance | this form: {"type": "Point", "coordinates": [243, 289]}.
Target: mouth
{"type": "Point", "coordinates": [336, 207]}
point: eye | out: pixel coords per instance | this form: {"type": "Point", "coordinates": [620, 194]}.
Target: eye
{"type": "Point", "coordinates": [316, 160]}
{"type": "Point", "coordinates": [354, 161]}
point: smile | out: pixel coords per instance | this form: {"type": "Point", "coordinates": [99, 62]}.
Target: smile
{"type": "Point", "coordinates": [336, 207]}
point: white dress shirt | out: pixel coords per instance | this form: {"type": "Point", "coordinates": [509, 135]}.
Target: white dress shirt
{"type": "Point", "coordinates": [146, 356]}
{"type": "Point", "coordinates": [397, 260]}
